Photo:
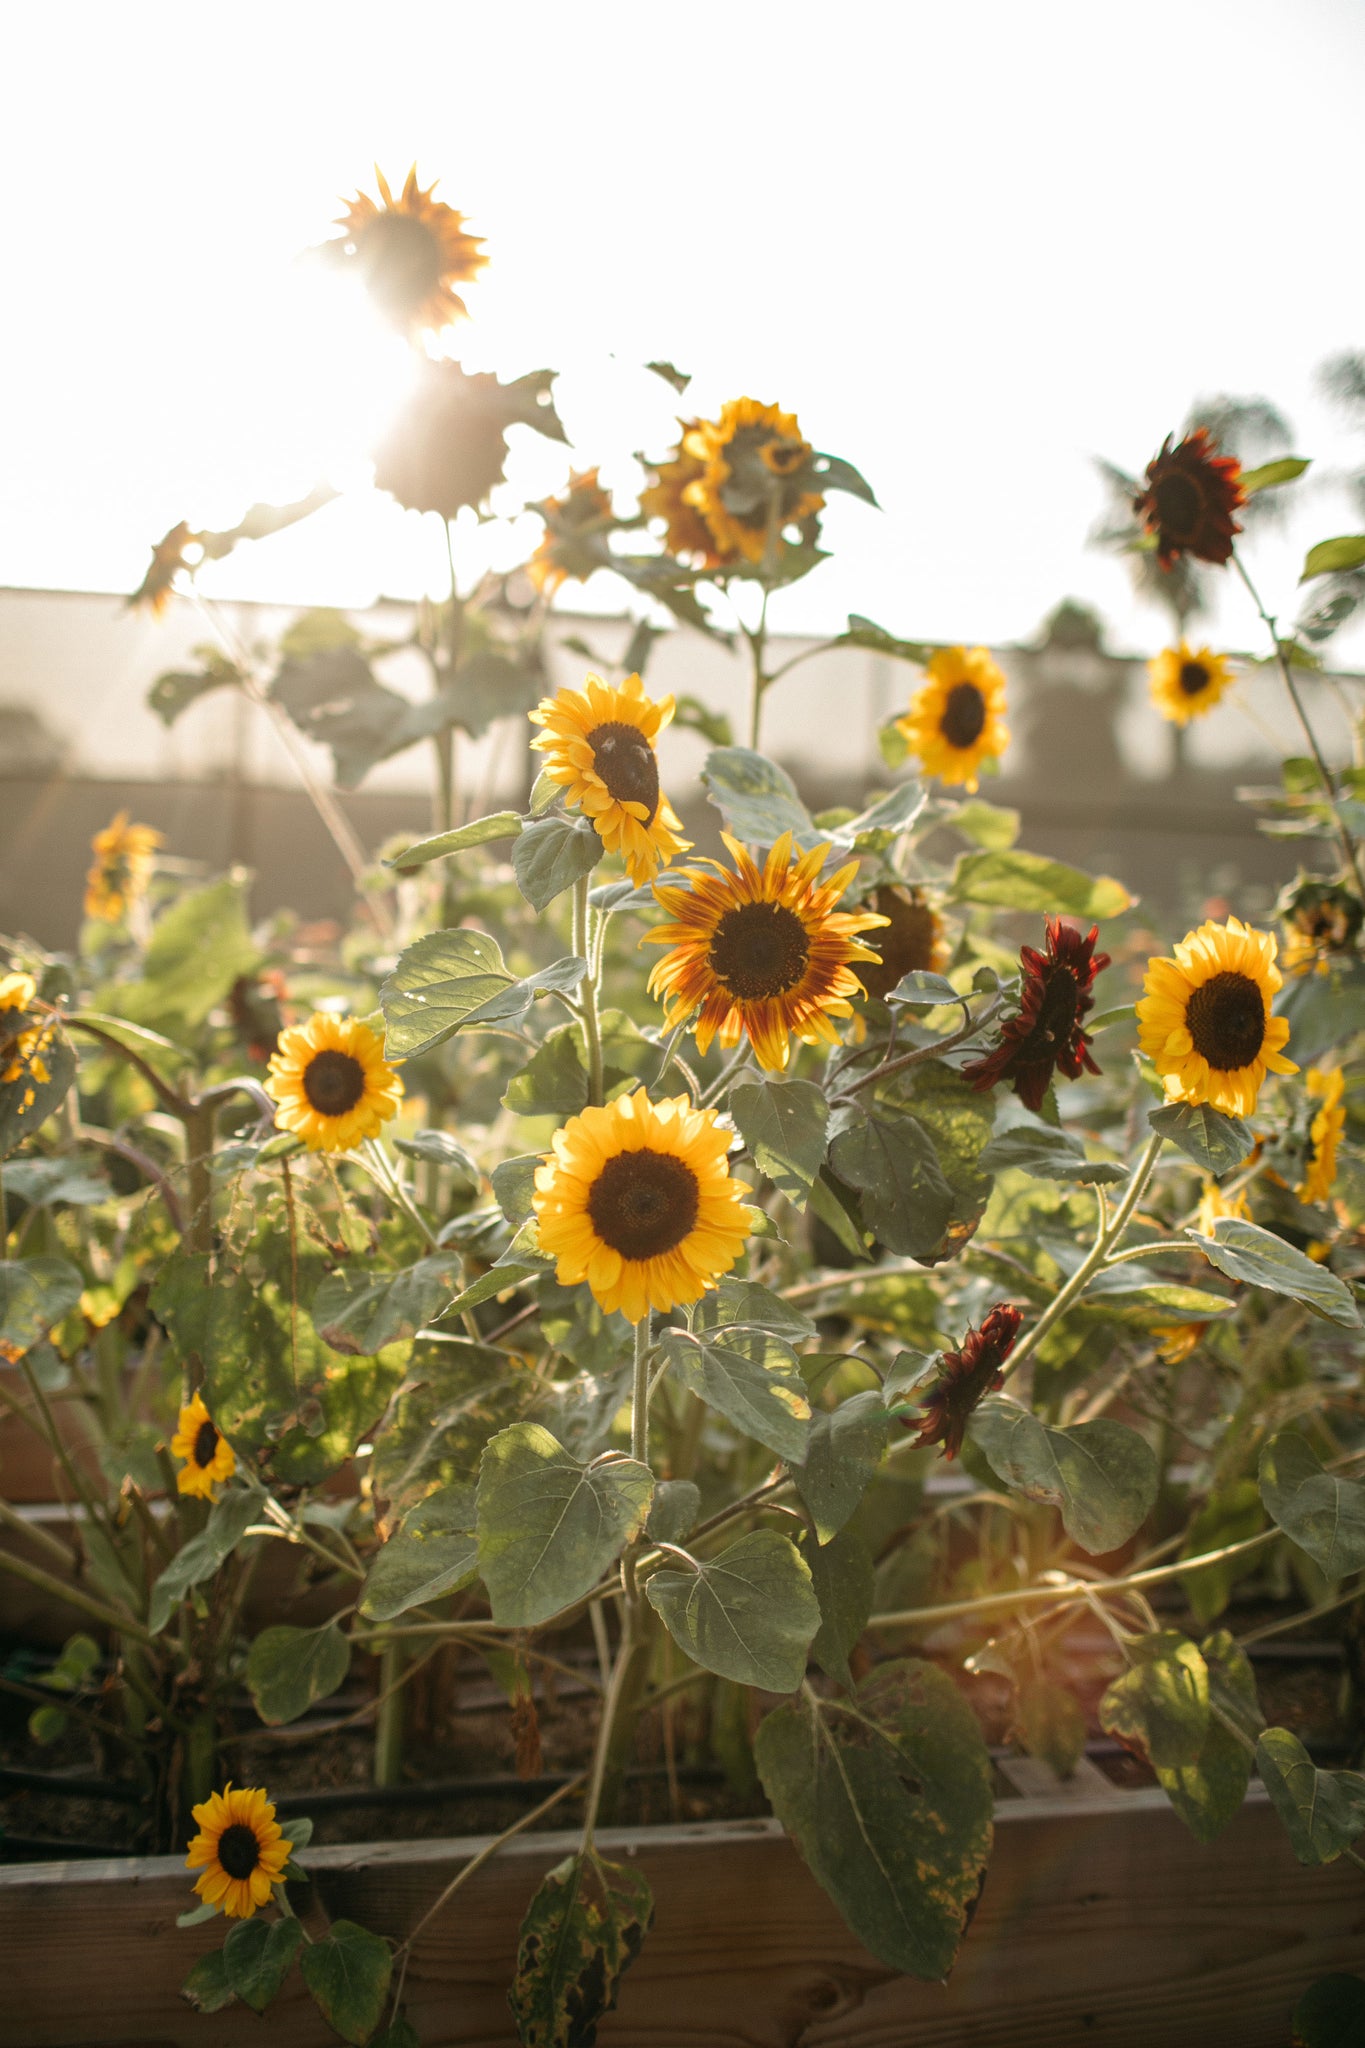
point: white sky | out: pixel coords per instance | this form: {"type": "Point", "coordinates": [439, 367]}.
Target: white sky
{"type": "Point", "coordinates": [969, 245]}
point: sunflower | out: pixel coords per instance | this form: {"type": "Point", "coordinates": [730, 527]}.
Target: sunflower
{"type": "Point", "coordinates": [911, 943]}
{"type": "Point", "coordinates": [760, 951]}
{"type": "Point", "coordinates": [599, 745]}
{"type": "Point", "coordinates": [756, 477]}
{"type": "Point", "coordinates": [575, 525]}
{"type": "Point", "coordinates": [1214, 1204]}
{"type": "Point", "coordinates": [1326, 1086]}
{"type": "Point", "coordinates": [1191, 494]}
{"type": "Point", "coordinates": [240, 1849]}
{"type": "Point", "coordinates": [1177, 1340]}
{"type": "Point", "coordinates": [332, 1083]}
{"type": "Point", "coordinates": [1321, 919]}
{"type": "Point", "coordinates": [209, 1457]}
{"type": "Point", "coordinates": [966, 1376]}
{"type": "Point", "coordinates": [1047, 1032]}
{"type": "Point", "coordinates": [121, 869]}
{"type": "Point", "coordinates": [1205, 1020]}
{"type": "Point", "coordinates": [686, 533]}
{"type": "Point", "coordinates": [956, 720]}
{"type": "Point", "coordinates": [409, 251]}
{"type": "Point", "coordinates": [1185, 684]}
{"type": "Point", "coordinates": [22, 1045]}
{"type": "Point", "coordinates": [169, 556]}
{"type": "Point", "coordinates": [637, 1200]}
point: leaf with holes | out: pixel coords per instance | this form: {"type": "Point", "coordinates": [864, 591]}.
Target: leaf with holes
{"type": "Point", "coordinates": [458, 1395]}
{"type": "Point", "coordinates": [548, 1526]}
{"type": "Point", "coordinates": [27, 1101]}
{"type": "Point", "coordinates": [582, 1931]}
{"type": "Point", "coordinates": [748, 1613]}
{"type": "Point", "coordinates": [1322, 1513]}
{"type": "Point", "coordinates": [1102, 1475]}
{"type": "Point", "coordinates": [35, 1294]}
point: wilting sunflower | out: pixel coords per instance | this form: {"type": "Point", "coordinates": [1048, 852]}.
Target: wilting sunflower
{"type": "Point", "coordinates": [409, 251]}
{"type": "Point", "coordinates": [1321, 919]}
{"type": "Point", "coordinates": [574, 528]}
{"type": "Point", "coordinates": [686, 534]}
{"type": "Point", "coordinates": [637, 1200]}
{"type": "Point", "coordinates": [912, 941]}
{"type": "Point", "coordinates": [1185, 684]}
{"type": "Point", "coordinates": [22, 1045]}
{"type": "Point", "coordinates": [1047, 1032]}
{"type": "Point", "coordinates": [208, 1456]}
{"type": "Point", "coordinates": [1205, 1020]}
{"type": "Point", "coordinates": [757, 476]}
{"type": "Point", "coordinates": [1191, 494]}
{"type": "Point", "coordinates": [956, 720]}
{"type": "Point", "coordinates": [121, 869]}
{"type": "Point", "coordinates": [1326, 1086]}
{"type": "Point", "coordinates": [240, 1850]}
{"type": "Point", "coordinates": [599, 744]}
{"type": "Point", "coordinates": [179, 549]}
{"type": "Point", "coordinates": [761, 951]}
{"type": "Point", "coordinates": [966, 1376]}
{"type": "Point", "coordinates": [1214, 1205]}
{"type": "Point", "coordinates": [332, 1083]}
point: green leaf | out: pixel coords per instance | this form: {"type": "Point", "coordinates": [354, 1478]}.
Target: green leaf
{"type": "Point", "coordinates": [845, 1447]}
{"type": "Point", "coordinates": [479, 832]}
{"type": "Point", "coordinates": [359, 1311]}
{"type": "Point", "coordinates": [1330, 557]}
{"type": "Point", "coordinates": [1246, 1252]}
{"type": "Point", "coordinates": [1229, 1515]}
{"type": "Point", "coordinates": [1208, 1793]}
{"type": "Point", "coordinates": [844, 1577]}
{"type": "Point", "coordinates": [1323, 1010]}
{"type": "Point", "coordinates": [1051, 1724]}
{"type": "Point", "coordinates": [514, 1184]}
{"type": "Point", "coordinates": [864, 633]}
{"type": "Point", "coordinates": [745, 1301]}
{"type": "Point", "coordinates": [207, 1988]}
{"type": "Point", "coordinates": [199, 948]}
{"type": "Point", "coordinates": [257, 1957]}
{"type": "Point", "coordinates": [783, 1124]}
{"type": "Point", "coordinates": [834, 474]}
{"type": "Point", "coordinates": [26, 1102]}
{"type": "Point", "coordinates": [1027, 881]}
{"type": "Point", "coordinates": [1322, 1811]}
{"type": "Point", "coordinates": [1160, 1705]}
{"type": "Point", "coordinates": [431, 1554]}
{"type": "Point", "coordinates": [892, 1162]}
{"type": "Point", "coordinates": [287, 1669]}
{"type": "Point", "coordinates": [679, 379]}
{"type": "Point", "coordinates": [582, 1931]}
{"type": "Point", "coordinates": [1282, 471]}
{"type": "Point", "coordinates": [1323, 1514]}
{"type": "Point", "coordinates": [988, 825]}
{"type": "Point", "coordinates": [201, 1557]}
{"type": "Point", "coordinates": [35, 1295]}
{"type": "Point", "coordinates": [691, 715]}
{"type": "Point", "coordinates": [437, 982]}
{"type": "Point", "coordinates": [1102, 1475]}
{"type": "Point", "coordinates": [876, 828]}
{"type": "Point", "coordinates": [889, 1798]}
{"type": "Point", "coordinates": [673, 1511]}
{"type": "Point", "coordinates": [198, 1915]}
{"type": "Point", "coordinates": [438, 1148]}
{"type": "Point", "coordinates": [1048, 1154]}
{"type": "Point", "coordinates": [756, 798]}
{"type": "Point", "coordinates": [348, 1974]}
{"type": "Point", "coordinates": [1214, 1140]}
{"type": "Point", "coordinates": [958, 1120]}
{"type": "Point", "coordinates": [923, 991]}
{"type": "Point", "coordinates": [1331, 2013]}
{"type": "Point", "coordinates": [549, 1527]}
{"type": "Point", "coordinates": [749, 1377]}
{"type": "Point", "coordinates": [38, 1181]}
{"type": "Point", "coordinates": [510, 1004]}
{"type": "Point", "coordinates": [457, 1396]}
{"type": "Point", "coordinates": [551, 855]}
{"type": "Point", "coordinates": [748, 1613]}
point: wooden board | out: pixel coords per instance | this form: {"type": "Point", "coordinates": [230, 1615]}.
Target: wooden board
{"type": "Point", "coordinates": [1102, 1922]}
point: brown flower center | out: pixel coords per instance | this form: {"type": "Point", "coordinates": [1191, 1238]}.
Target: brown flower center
{"type": "Point", "coordinates": [964, 715]}
{"type": "Point", "coordinates": [333, 1082]}
{"type": "Point", "coordinates": [627, 764]}
{"type": "Point", "coordinates": [239, 1851]}
{"type": "Point", "coordinates": [205, 1444]}
{"type": "Point", "coordinates": [1057, 1012]}
{"type": "Point", "coordinates": [784, 458]}
{"type": "Point", "coordinates": [402, 260]}
{"type": "Point", "coordinates": [1179, 503]}
{"type": "Point", "coordinates": [1226, 1019]}
{"type": "Point", "coordinates": [644, 1203]}
{"type": "Point", "coordinates": [905, 946]}
{"type": "Point", "coordinates": [1194, 678]}
{"type": "Point", "coordinates": [759, 950]}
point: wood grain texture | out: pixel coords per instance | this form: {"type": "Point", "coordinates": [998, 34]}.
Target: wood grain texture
{"type": "Point", "coordinates": [1102, 1922]}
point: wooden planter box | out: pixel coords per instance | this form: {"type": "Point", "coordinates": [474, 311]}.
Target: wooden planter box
{"type": "Point", "coordinates": [1102, 1921]}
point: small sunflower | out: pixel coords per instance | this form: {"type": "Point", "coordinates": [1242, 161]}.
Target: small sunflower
{"type": "Point", "coordinates": [22, 1044]}
{"type": "Point", "coordinates": [1205, 1019]}
{"type": "Point", "coordinates": [956, 720]}
{"type": "Point", "coordinates": [409, 252]}
{"type": "Point", "coordinates": [332, 1083]}
{"type": "Point", "coordinates": [1321, 919]}
{"type": "Point", "coordinates": [599, 744]}
{"type": "Point", "coordinates": [912, 941]}
{"type": "Point", "coordinates": [240, 1850]}
{"type": "Point", "coordinates": [209, 1457]}
{"type": "Point", "coordinates": [121, 869]}
{"type": "Point", "coordinates": [1185, 684]}
{"type": "Point", "coordinates": [575, 525]}
{"type": "Point", "coordinates": [637, 1200]}
{"type": "Point", "coordinates": [761, 951]}
{"type": "Point", "coordinates": [686, 534]}
{"type": "Point", "coordinates": [170, 555]}
{"type": "Point", "coordinates": [757, 476]}
{"type": "Point", "coordinates": [1191, 494]}
{"type": "Point", "coordinates": [1326, 1086]}
{"type": "Point", "coordinates": [1214, 1205]}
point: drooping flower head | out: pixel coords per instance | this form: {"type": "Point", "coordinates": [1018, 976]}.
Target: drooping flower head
{"type": "Point", "coordinates": [1048, 1032]}
{"type": "Point", "coordinates": [121, 869]}
{"type": "Point", "coordinates": [956, 718]}
{"type": "Point", "coordinates": [240, 1850]}
{"type": "Point", "coordinates": [1321, 919]}
{"type": "Point", "coordinates": [1326, 1086]}
{"type": "Point", "coordinates": [209, 1458]}
{"type": "Point", "coordinates": [910, 942]}
{"type": "Point", "coordinates": [23, 1042]}
{"type": "Point", "coordinates": [686, 534]}
{"type": "Point", "coordinates": [1205, 1019]}
{"type": "Point", "coordinates": [1191, 494]}
{"type": "Point", "coordinates": [409, 253]}
{"type": "Point", "coordinates": [757, 476]}
{"type": "Point", "coordinates": [332, 1082]}
{"type": "Point", "coordinates": [760, 951]}
{"type": "Point", "coordinates": [599, 745]}
{"type": "Point", "coordinates": [1186, 684]}
{"type": "Point", "coordinates": [179, 549]}
{"type": "Point", "coordinates": [966, 1376]}
{"type": "Point", "coordinates": [575, 526]}
{"type": "Point", "coordinates": [637, 1200]}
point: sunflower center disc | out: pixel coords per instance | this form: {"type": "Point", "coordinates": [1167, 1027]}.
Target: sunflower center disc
{"type": "Point", "coordinates": [1178, 505]}
{"type": "Point", "coordinates": [1194, 678]}
{"type": "Point", "coordinates": [205, 1444]}
{"type": "Point", "coordinates": [625, 761]}
{"type": "Point", "coordinates": [238, 1850]}
{"type": "Point", "coordinates": [401, 258]}
{"type": "Point", "coordinates": [1226, 1019]}
{"type": "Point", "coordinates": [643, 1203]}
{"type": "Point", "coordinates": [784, 457]}
{"type": "Point", "coordinates": [759, 950]}
{"type": "Point", "coordinates": [964, 715]}
{"type": "Point", "coordinates": [333, 1082]}
{"type": "Point", "coordinates": [1057, 1012]}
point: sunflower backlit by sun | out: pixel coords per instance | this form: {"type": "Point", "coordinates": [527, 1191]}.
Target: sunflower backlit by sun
{"type": "Point", "coordinates": [576, 526]}
{"type": "Point", "coordinates": [956, 720]}
{"type": "Point", "coordinates": [665, 498]}
{"type": "Point", "coordinates": [1185, 682]}
{"type": "Point", "coordinates": [409, 252]}
{"type": "Point", "coordinates": [332, 1083]}
{"type": "Point", "coordinates": [1326, 1086]}
{"type": "Point", "coordinates": [1205, 1018]}
{"type": "Point", "coordinates": [121, 869]}
{"type": "Point", "coordinates": [240, 1851]}
{"type": "Point", "coordinates": [637, 1199]}
{"type": "Point", "coordinates": [760, 951]}
{"type": "Point", "coordinates": [208, 1457]}
{"type": "Point", "coordinates": [599, 745]}
{"type": "Point", "coordinates": [757, 477]}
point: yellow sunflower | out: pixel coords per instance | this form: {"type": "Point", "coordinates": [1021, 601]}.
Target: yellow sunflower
{"type": "Point", "coordinates": [332, 1082]}
{"type": "Point", "coordinates": [1185, 684]}
{"type": "Point", "coordinates": [574, 525]}
{"type": "Point", "coordinates": [22, 1049]}
{"type": "Point", "coordinates": [686, 533]}
{"type": "Point", "coordinates": [599, 744]}
{"type": "Point", "coordinates": [1205, 1019]}
{"type": "Point", "coordinates": [1213, 1204]}
{"type": "Point", "coordinates": [762, 950]}
{"type": "Point", "coordinates": [409, 252]}
{"type": "Point", "coordinates": [1178, 1340]}
{"type": "Point", "coordinates": [1327, 1086]}
{"type": "Point", "coordinates": [637, 1200]}
{"type": "Point", "coordinates": [756, 476]}
{"type": "Point", "coordinates": [121, 869]}
{"type": "Point", "coordinates": [956, 720]}
{"type": "Point", "coordinates": [240, 1849]}
{"type": "Point", "coordinates": [912, 943]}
{"type": "Point", "coordinates": [209, 1457]}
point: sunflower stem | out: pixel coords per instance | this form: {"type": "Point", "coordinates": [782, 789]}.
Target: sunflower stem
{"type": "Point", "coordinates": [591, 1035]}
{"type": "Point", "coordinates": [388, 1726]}
{"type": "Point", "coordinates": [639, 1408]}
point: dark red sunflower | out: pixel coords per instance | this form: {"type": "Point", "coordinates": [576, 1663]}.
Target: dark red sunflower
{"type": "Point", "coordinates": [966, 1376]}
{"type": "Point", "coordinates": [1192, 492]}
{"type": "Point", "coordinates": [1047, 1032]}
